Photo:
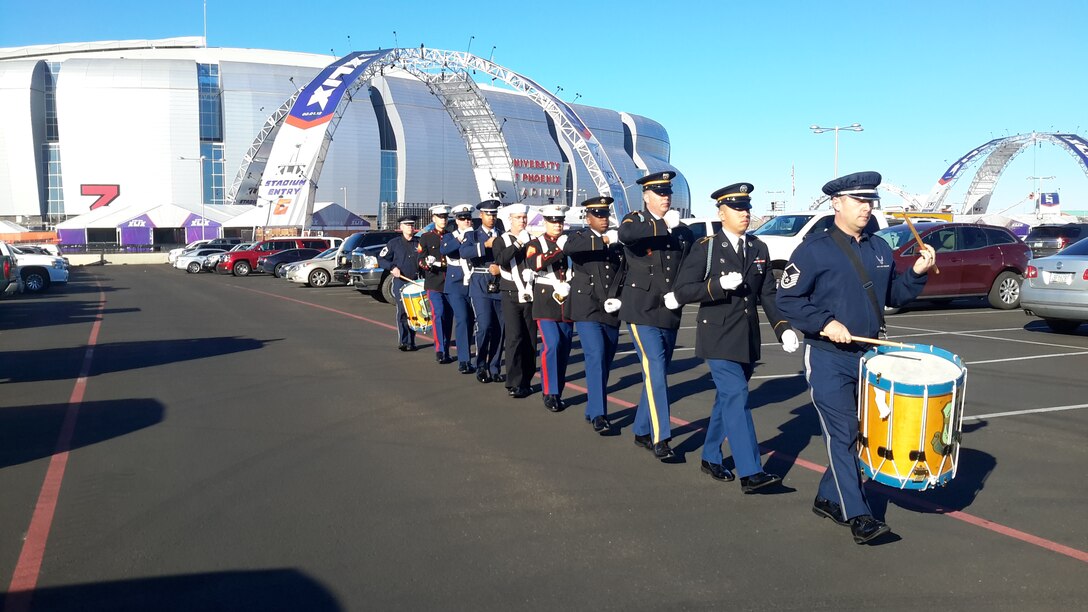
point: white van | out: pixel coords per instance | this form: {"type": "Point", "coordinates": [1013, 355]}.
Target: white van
{"type": "Point", "coordinates": [783, 232]}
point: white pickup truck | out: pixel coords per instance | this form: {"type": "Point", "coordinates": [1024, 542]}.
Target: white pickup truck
{"type": "Point", "coordinates": [37, 272]}
{"type": "Point", "coordinates": [783, 232]}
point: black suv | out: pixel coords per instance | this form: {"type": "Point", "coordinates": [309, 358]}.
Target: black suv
{"type": "Point", "coordinates": [1044, 240]}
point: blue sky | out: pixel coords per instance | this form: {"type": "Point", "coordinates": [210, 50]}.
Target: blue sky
{"type": "Point", "coordinates": [736, 84]}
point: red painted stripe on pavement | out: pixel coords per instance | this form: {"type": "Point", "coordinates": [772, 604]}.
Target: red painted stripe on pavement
{"type": "Point", "coordinates": [319, 306]}
{"type": "Point", "coordinates": [28, 567]}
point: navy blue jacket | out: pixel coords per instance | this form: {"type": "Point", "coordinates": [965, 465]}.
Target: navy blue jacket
{"type": "Point", "coordinates": [403, 254]}
{"type": "Point", "coordinates": [820, 284]}
{"type": "Point", "coordinates": [654, 254]}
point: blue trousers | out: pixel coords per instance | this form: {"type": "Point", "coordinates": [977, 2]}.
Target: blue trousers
{"type": "Point", "coordinates": [463, 323]}
{"type": "Point", "coordinates": [731, 418]}
{"type": "Point", "coordinates": [489, 333]}
{"type": "Point", "coordinates": [654, 346]}
{"type": "Point", "coordinates": [442, 316]}
{"type": "Point", "coordinates": [833, 380]}
{"type": "Point", "coordinates": [405, 334]}
{"type": "Point", "coordinates": [556, 339]}
{"type": "Point", "coordinates": [599, 343]}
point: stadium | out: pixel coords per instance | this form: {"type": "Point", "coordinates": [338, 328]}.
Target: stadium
{"type": "Point", "coordinates": [181, 135]}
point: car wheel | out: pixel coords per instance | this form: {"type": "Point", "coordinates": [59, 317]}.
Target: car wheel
{"type": "Point", "coordinates": [318, 278]}
{"type": "Point", "coordinates": [193, 267]}
{"type": "Point", "coordinates": [386, 293]}
{"type": "Point", "coordinates": [35, 280]}
{"type": "Point", "coordinates": [241, 268]}
{"type": "Point", "coordinates": [280, 270]}
{"type": "Point", "coordinates": [1005, 293]}
{"type": "Point", "coordinates": [1062, 326]}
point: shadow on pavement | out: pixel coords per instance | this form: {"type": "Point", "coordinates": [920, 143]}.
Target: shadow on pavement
{"type": "Point", "coordinates": [29, 313]}
{"type": "Point", "coordinates": [974, 468]}
{"type": "Point", "coordinates": [28, 433]}
{"type": "Point", "coordinates": [270, 589]}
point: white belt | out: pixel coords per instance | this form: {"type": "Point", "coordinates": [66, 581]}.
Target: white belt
{"type": "Point", "coordinates": [481, 271]}
{"type": "Point", "coordinates": [547, 280]}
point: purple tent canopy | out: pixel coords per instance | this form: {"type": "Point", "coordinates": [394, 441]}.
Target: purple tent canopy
{"type": "Point", "coordinates": [200, 228]}
{"type": "Point", "coordinates": [72, 236]}
{"type": "Point", "coordinates": [137, 230]}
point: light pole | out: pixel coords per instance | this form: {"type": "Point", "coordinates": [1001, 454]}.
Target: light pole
{"type": "Point", "coordinates": [200, 171]}
{"type": "Point", "coordinates": [345, 190]}
{"type": "Point", "coordinates": [853, 127]}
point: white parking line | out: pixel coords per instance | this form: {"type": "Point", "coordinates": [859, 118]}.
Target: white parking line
{"type": "Point", "coordinates": [1025, 358]}
{"type": "Point", "coordinates": [947, 314]}
{"type": "Point", "coordinates": [1016, 412]}
{"type": "Point", "coordinates": [973, 334]}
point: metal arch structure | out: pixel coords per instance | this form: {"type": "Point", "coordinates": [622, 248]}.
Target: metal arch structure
{"type": "Point", "coordinates": [249, 172]}
{"type": "Point", "coordinates": [479, 132]}
{"type": "Point", "coordinates": [997, 154]}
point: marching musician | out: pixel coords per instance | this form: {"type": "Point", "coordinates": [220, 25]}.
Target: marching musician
{"type": "Point", "coordinates": [401, 257]}
{"type": "Point", "coordinates": [517, 303]}
{"type": "Point", "coordinates": [834, 288]}
{"type": "Point", "coordinates": [483, 290]}
{"type": "Point", "coordinates": [654, 243]}
{"type": "Point", "coordinates": [545, 255]}
{"type": "Point", "coordinates": [433, 265]}
{"type": "Point", "coordinates": [458, 273]}
{"type": "Point", "coordinates": [727, 274]}
{"type": "Point", "coordinates": [597, 262]}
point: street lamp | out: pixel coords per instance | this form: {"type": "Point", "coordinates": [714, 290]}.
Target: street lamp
{"type": "Point", "coordinates": [345, 190]}
{"type": "Point", "coordinates": [203, 218]}
{"type": "Point", "coordinates": [853, 127]}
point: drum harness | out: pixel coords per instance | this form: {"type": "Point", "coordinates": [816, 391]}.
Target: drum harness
{"type": "Point", "coordinates": [840, 240]}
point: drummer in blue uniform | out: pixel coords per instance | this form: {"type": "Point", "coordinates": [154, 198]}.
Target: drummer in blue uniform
{"type": "Point", "coordinates": [483, 289]}
{"type": "Point", "coordinates": [456, 287]}
{"type": "Point", "coordinates": [597, 262]}
{"type": "Point", "coordinates": [551, 307]}
{"type": "Point", "coordinates": [655, 243]}
{"type": "Point", "coordinates": [401, 257]}
{"type": "Point", "coordinates": [728, 273]}
{"type": "Point", "coordinates": [833, 289]}
{"type": "Point", "coordinates": [433, 265]}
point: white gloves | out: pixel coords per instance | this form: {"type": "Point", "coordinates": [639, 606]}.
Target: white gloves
{"type": "Point", "coordinates": [670, 301]}
{"type": "Point", "coordinates": [562, 290]}
{"type": "Point", "coordinates": [730, 281]}
{"type": "Point", "coordinates": [523, 237]}
{"type": "Point", "coordinates": [562, 241]}
{"type": "Point", "coordinates": [672, 218]}
{"type": "Point", "coordinates": [613, 236]}
{"type": "Point", "coordinates": [430, 261]}
{"type": "Point", "coordinates": [527, 275]}
{"type": "Point", "coordinates": [790, 341]}
{"type": "Point", "coordinates": [611, 305]}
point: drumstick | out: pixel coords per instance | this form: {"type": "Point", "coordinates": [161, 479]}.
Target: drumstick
{"type": "Point", "coordinates": [936, 270]}
{"type": "Point", "coordinates": [879, 342]}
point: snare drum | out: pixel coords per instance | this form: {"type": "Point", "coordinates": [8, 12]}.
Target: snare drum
{"type": "Point", "coordinates": [417, 306]}
{"type": "Point", "coordinates": [910, 412]}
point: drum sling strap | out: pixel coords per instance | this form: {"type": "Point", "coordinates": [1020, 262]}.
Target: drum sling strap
{"type": "Point", "coordinates": [840, 239]}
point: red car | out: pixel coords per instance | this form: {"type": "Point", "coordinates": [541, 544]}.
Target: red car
{"type": "Point", "coordinates": [241, 263]}
{"type": "Point", "coordinates": [974, 260]}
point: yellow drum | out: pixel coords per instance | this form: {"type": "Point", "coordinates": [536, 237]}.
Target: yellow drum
{"type": "Point", "coordinates": [417, 306]}
{"type": "Point", "coordinates": [910, 412]}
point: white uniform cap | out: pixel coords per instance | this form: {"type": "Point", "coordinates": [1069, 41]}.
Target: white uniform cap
{"type": "Point", "coordinates": [515, 209]}
{"type": "Point", "coordinates": [553, 210]}
{"type": "Point", "coordinates": [461, 209]}
{"type": "Point", "coordinates": [440, 209]}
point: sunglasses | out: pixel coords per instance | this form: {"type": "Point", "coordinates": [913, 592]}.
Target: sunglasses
{"type": "Point", "coordinates": [464, 217]}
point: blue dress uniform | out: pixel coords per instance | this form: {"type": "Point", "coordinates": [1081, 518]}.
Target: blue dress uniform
{"type": "Point", "coordinates": [402, 254]}
{"type": "Point", "coordinates": [551, 306]}
{"type": "Point", "coordinates": [456, 289]}
{"type": "Point", "coordinates": [654, 253]}
{"type": "Point", "coordinates": [727, 333]}
{"type": "Point", "coordinates": [598, 278]}
{"type": "Point", "coordinates": [483, 290]}
{"type": "Point", "coordinates": [433, 265]}
{"type": "Point", "coordinates": [820, 285]}
{"type": "Point", "coordinates": [517, 310]}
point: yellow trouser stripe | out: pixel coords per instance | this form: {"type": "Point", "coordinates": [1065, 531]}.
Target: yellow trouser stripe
{"type": "Point", "coordinates": [649, 385]}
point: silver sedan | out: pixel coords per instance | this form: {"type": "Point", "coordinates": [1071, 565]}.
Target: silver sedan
{"type": "Point", "coordinates": [193, 261]}
{"type": "Point", "coordinates": [1056, 288]}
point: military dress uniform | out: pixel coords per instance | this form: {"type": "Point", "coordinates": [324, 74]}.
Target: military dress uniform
{"type": "Point", "coordinates": [456, 290]}
{"type": "Point", "coordinates": [433, 265]}
{"type": "Point", "coordinates": [402, 254]}
{"type": "Point", "coordinates": [483, 290]}
{"type": "Point", "coordinates": [594, 306]}
{"type": "Point", "coordinates": [727, 335]}
{"type": "Point", "coordinates": [654, 253]}
{"type": "Point", "coordinates": [819, 285]}
{"type": "Point", "coordinates": [517, 309]}
{"type": "Point", "coordinates": [551, 307]}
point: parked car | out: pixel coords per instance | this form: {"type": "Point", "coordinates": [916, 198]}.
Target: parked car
{"type": "Point", "coordinates": [276, 262]}
{"type": "Point", "coordinates": [241, 263]}
{"type": "Point", "coordinates": [38, 272]}
{"type": "Point", "coordinates": [703, 227]}
{"type": "Point", "coordinates": [335, 269]}
{"type": "Point", "coordinates": [173, 255]}
{"type": "Point", "coordinates": [1046, 240]}
{"type": "Point", "coordinates": [783, 232]}
{"type": "Point", "coordinates": [212, 260]}
{"type": "Point", "coordinates": [1056, 288]}
{"type": "Point", "coordinates": [368, 277]}
{"type": "Point", "coordinates": [974, 260]}
{"type": "Point", "coordinates": [9, 282]}
{"type": "Point", "coordinates": [193, 261]}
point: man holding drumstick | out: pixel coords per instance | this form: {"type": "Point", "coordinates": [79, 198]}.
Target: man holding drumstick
{"type": "Point", "coordinates": [834, 289]}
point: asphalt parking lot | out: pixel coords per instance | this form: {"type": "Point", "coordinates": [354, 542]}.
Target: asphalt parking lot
{"type": "Point", "coordinates": [247, 443]}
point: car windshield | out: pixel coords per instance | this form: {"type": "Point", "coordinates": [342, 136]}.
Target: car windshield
{"type": "Point", "coordinates": [327, 253]}
{"type": "Point", "coordinates": [783, 225]}
{"type": "Point", "coordinates": [896, 236]}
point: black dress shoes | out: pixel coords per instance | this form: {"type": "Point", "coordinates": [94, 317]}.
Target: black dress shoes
{"type": "Point", "coordinates": [443, 358]}
{"type": "Point", "coordinates": [500, 377]}
{"type": "Point", "coordinates": [483, 375]}
{"type": "Point", "coordinates": [829, 509]}
{"type": "Point", "coordinates": [750, 484]}
{"type": "Point", "coordinates": [553, 403]}
{"type": "Point", "coordinates": [520, 392]}
{"type": "Point", "coordinates": [465, 367]}
{"type": "Point", "coordinates": [646, 441]}
{"type": "Point", "coordinates": [717, 471]}
{"type": "Point", "coordinates": [600, 424]}
{"type": "Point", "coordinates": [662, 450]}
{"type": "Point", "coordinates": [865, 528]}
{"type": "Point", "coordinates": [402, 348]}
{"type": "Point", "coordinates": [412, 348]}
